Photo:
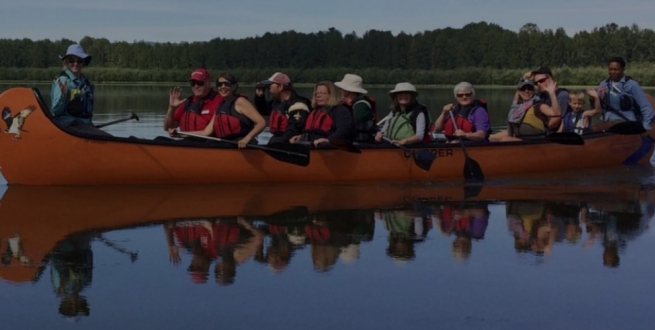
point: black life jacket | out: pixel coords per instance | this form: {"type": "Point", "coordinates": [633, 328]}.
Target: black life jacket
{"type": "Point", "coordinates": [364, 130]}
{"type": "Point", "coordinates": [414, 110]}
{"type": "Point", "coordinates": [279, 118]}
{"type": "Point", "coordinates": [229, 124]}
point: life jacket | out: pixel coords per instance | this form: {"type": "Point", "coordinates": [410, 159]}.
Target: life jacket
{"type": "Point", "coordinates": [573, 122]}
{"type": "Point", "coordinates": [318, 234]}
{"type": "Point", "coordinates": [403, 125]}
{"type": "Point", "coordinates": [319, 123]}
{"type": "Point", "coordinates": [450, 225]}
{"type": "Point", "coordinates": [192, 119]}
{"type": "Point", "coordinates": [279, 118]}
{"type": "Point", "coordinates": [532, 121]}
{"type": "Point", "coordinates": [462, 119]}
{"type": "Point", "coordinates": [226, 235]}
{"type": "Point", "coordinates": [229, 124]}
{"type": "Point", "coordinates": [80, 103]}
{"type": "Point", "coordinates": [364, 130]}
{"type": "Point", "coordinates": [625, 102]}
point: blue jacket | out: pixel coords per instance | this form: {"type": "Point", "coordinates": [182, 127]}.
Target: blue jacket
{"type": "Point", "coordinates": [610, 94]}
{"type": "Point", "coordinates": [77, 104]}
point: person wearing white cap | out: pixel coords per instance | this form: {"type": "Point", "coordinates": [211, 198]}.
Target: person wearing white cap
{"type": "Point", "coordinates": [363, 107]}
{"type": "Point", "coordinates": [289, 110]}
{"type": "Point", "coordinates": [72, 94]}
{"type": "Point", "coordinates": [408, 121]}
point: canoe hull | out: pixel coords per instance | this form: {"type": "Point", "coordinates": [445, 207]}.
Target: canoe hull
{"type": "Point", "coordinates": [43, 154]}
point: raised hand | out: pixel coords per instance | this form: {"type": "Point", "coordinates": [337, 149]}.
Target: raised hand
{"type": "Point", "coordinates": [62, 87]}
{"type": "Point", "coordinates": [592, 92]}
{"type": "Point", "coordinates": [174, 97]}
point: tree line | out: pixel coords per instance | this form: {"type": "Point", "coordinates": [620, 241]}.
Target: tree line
{"type": "Point", "coordinates": [481, 53]}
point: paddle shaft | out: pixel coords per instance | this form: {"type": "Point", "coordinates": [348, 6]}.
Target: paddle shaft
{"type": "Point", "coordinates": [461, 141]}
{"type": "Point", "coordinates": [252, 146]}
{"type": "Point", "coordinates": [132, 116]}
{"type": "Point", "coordinates": [396, 144]}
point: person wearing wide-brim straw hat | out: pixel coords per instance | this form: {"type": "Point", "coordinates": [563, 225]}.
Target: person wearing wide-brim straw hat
{"type": "Point", "coordinates": [363, 107]}
{"type": "Point", "coordinates": [72, 94]}
{"type": "Point", "coordinates": [407, 123]}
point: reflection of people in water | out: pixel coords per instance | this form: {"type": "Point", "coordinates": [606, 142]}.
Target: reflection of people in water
{"type": "Point", "coordinates": [406, 228]}
{"type": "Point", "coordinates": [467, 221]}
{"type": "Point", "coordinates": [237, 243]}
{"type": "Point", "coordinates": [71, 272]}
{"type": "Point", "coordinates": [197, 237]}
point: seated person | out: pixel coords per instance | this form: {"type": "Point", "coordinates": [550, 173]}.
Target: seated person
{"type": "Point", "coordinates": [577, 119]}
{"type": "Point", "coordinates": [407, 123]}
{"type": "Point", "coordinates": [471, 120]}
{"type": "Point", "coordinates": [523, 99]}
{"type": "Point", "coordinates": [328, 119]}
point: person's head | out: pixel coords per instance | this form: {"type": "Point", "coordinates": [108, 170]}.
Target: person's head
{"type": "Point", "coordinates": [278, 254]}
{"type": "Point", "coordinates": [611, 256]}
{"type": "Point", "coordinates": [525, 88]}
{"type": "Point", "coordinates": [226, 85]}
{"type": "Point", "coordinates": [324, 256]}
{"type": "Point", "coordinates": [200, 82]}
{"type": "Point", "coordinates": [277, 84]}
{"type": "Point", "coordinates": [351, 86]}
{"type": "Point", "coordinates": [462, 246]}
{"type": "Point", "coordinates": [402, 95]}
{"type": "Point", "coordinates": [226, 270]}
{"type": "Point", "coordinates": [576, 101]}
{"type": "Point", "coordinates": [464, 93]}
{"type": "Point", "coordinates": [199, 267]}
{"type": "Point", "coordinates": [325, 95]}
{"type": "Point", "coordinates": [615, 66]}
{"type": "Point", "coordinates": [75, 59]}
{"type": "Point", "coordinates": [542, 76]}
{"type": "Point", "coordinates": [401, 248]}
{"type": "Point", "coordinates": [74, 305]}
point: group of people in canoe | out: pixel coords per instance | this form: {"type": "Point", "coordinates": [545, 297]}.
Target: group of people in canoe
{"type": "Point", "coordinates": [342, 110]}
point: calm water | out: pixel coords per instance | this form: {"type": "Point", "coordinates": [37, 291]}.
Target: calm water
{"type": "Point", "coordinates": [562, 251]}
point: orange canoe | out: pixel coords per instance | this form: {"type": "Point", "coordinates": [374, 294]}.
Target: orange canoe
{"type": "Point", "coordinates": [37, 152]}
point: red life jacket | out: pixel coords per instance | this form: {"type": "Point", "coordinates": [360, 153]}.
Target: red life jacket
{"type": "Point", "coordinates": [450, 225]}
{"type": "Point", "coordinates": [317, 234]}
{"type": "Point", "coordinates": [279, 118]}
{"type": "Point", "coordinates": [230, 124]}
{"type": "Point", "coordinates": [225, 235]}
{"type": "Point", "coordinates": [192, 119]}
{"type": "Point", "coordinates": [319, 122]}
{"type": "Point", "coordinates": [462, 119]}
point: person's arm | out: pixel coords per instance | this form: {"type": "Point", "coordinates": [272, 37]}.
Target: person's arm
{"type": "Point", "coordinates": [343, 121]}
{"type": "Point", "coordinates": [58, 95]}
{"type": "Point", "coordinates": [642, 101]}
{"type": "Point", "coordinates": [244, 107]}
{"type": "Point", "coordinates": [298, 113]}
{"type": "Point", "coordinates": [174, 105]}
{"type": "Point", "coordinates": [482, 124]}
{"type": "Point", "coordinates": [262, 106]}
{"type": "Point", "coordinates": [439, 123]}
{"type": "Point", "coordinates": [596, 101]}
{"type": "Point", "coordinates": [420, 129]}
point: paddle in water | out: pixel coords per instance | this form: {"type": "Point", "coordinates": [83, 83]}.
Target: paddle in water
{"type": "Point", "coordinates": [132, 116]}
{"type": "Point", "coordinates": [285, 152]}
{"type": "Point", "coordinates": [422, 158]}
{"type": "Point", "coordinates": [472, 170]}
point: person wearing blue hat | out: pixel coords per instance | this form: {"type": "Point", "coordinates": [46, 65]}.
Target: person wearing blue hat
{"type": "Point", "coordinates": [72, 94]}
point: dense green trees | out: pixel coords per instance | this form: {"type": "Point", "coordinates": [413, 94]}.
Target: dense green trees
{"type": "Point", "coordinates": [482, 53]}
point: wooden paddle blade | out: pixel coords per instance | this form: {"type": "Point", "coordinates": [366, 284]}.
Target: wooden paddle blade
{"type": "Point", "coordinates": [627, 128]}
{"type": "Point", "coordinates": [568, 138]}
{"type": "Point", "coordinates": [472, 170]}
{"type": "Point", "coordinates": [289, 153]}
{"type": "Point", "coordinates": [345, 145]}
{"type": "Point", "coordinates": [424, 159]}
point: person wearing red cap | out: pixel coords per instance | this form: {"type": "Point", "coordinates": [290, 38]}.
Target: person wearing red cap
{"type": "Point", "coordinates": [194, 112]}
{"type": "Point", "coordinates": [289, 110]}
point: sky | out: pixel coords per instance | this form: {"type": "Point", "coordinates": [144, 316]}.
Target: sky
{"type": "Point", "coordinates": [203, 20]}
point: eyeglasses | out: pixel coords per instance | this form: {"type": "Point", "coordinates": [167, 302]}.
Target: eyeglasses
{"type": "Point", "coordinates": [73, 61]}
{"type": "Point", "coordinates": [198, 83]}
{"type": "Point", "coordinates": [223, 83]}
{"type": "Point", "coordinates": [463, 95]}
{"type": "Point", "coordinates": [541, 81]}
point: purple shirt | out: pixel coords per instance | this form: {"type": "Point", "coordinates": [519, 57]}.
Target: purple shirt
{"type": "Point", "coordinates": [480, 120]}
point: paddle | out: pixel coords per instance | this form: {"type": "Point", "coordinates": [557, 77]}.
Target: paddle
{"type": "Point", "coordinates": [285, 152]}
{"type": "Point", "coordinates": [340, 144]}
{"type": "Point", "coordinates": [568, 138]}
{"type": "Point", "coordinates": [627, 128]}
{"type": "Point", "coordinates": [132, 116]}
{"type": "Point", "coordinates": [472, 169]}
{"type": "Point", "coordinates": [422, 158]}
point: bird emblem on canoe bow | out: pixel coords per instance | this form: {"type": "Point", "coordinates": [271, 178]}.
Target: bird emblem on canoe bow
{"type": "Point", "coordinates": [15, 122]}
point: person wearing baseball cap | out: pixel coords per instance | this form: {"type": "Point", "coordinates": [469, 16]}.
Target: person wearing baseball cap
{"type": "Point", "coordinates": [289, 110]}
{"type": "Point", "coordinates": [523, 98]}
{"type": "Point", "coordinates": [72, 94]}
{"type": "Point", "coordinates": [196, 111]}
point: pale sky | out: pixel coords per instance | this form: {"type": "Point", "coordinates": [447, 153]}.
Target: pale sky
{"type": "Point", "coordinates": [203, 20]}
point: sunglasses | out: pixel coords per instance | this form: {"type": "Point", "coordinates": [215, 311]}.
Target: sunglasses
{"type": "Point", "coordinates": [526, 88]}
{"type": "Point", "coordinates": [223, 83]}
{"type": "Point", "coordinates": [194, 83]}
{"type": "Point", "coordinates": [462, 95]}
{"type": "Point", "coordinates": [541, 81]}
{"type": "Point", "coordinates": [73, 61]}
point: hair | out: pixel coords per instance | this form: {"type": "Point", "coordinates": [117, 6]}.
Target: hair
{"type": "Point", "coordinates": [617, 59]}
{"type": "Point", "coordinates": [394, 100]}
{"type": "Point", "coordinates": [576, 95]}
{"type": "Point", "coordinates": [464, 87]}
{"type": "Point", "coordinates": [333, 94]}
{"type": "Point", "coordinates": [229, 78]}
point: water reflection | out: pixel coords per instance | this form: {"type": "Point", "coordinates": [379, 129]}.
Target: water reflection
{"type": "Point", "coordinates": [211, 234]}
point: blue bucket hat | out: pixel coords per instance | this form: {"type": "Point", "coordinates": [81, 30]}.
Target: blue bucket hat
{"type": "Point", "coordinates": [76, 50]}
